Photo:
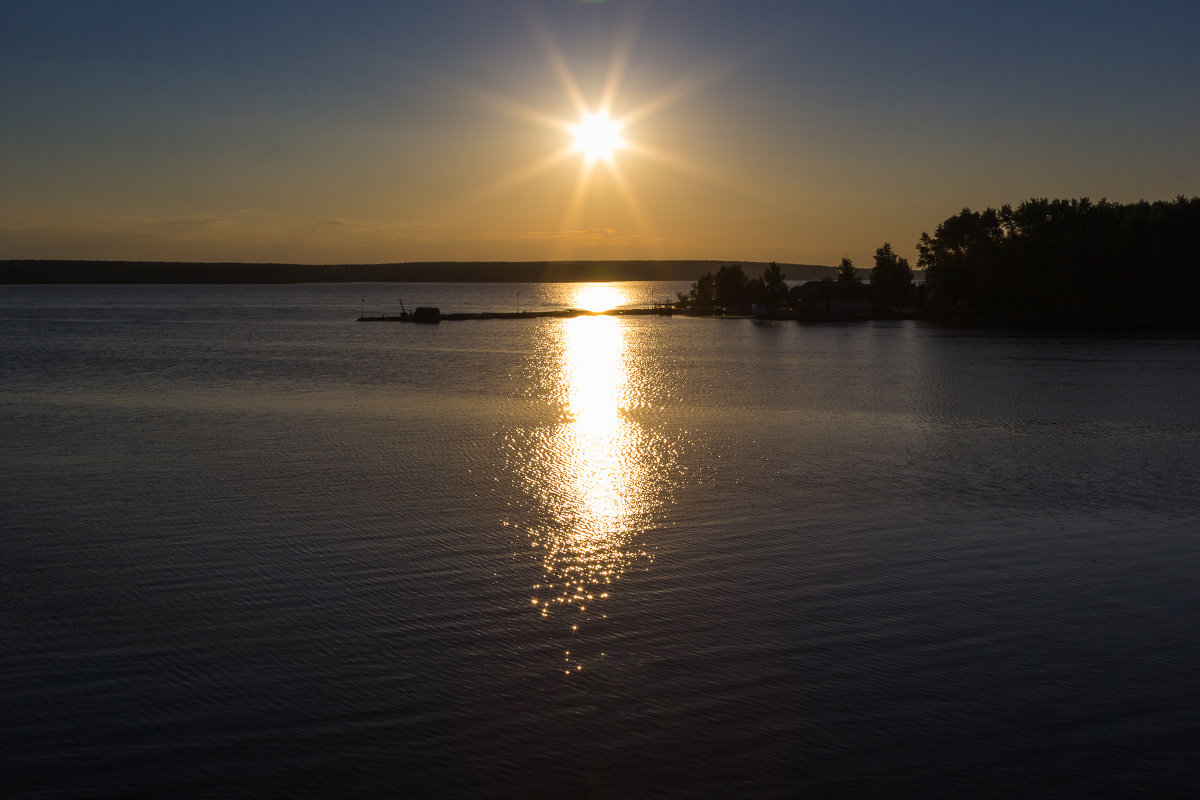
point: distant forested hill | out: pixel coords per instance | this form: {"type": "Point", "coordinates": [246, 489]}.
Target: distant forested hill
{"type": "Point", "coordinates": [36, 271]}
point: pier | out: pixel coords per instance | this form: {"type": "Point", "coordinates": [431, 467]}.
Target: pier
{"type": "Point", "coordinates": [564, 313]}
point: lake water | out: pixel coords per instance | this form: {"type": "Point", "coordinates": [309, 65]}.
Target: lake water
{"type": "Point", "coordinates": [252, 547]}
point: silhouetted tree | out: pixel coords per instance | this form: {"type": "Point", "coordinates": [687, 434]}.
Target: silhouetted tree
{"type": "Point", "coordinates": [961, 258]}
{"type": "Point", "coordinates": [846, 271]}
{"type": "Point", "coordinates": [774, 287]}
{"type": "Point", "coordinates": [703, 293]}
{"type": "Point", "coordinates": [731, 286]}
{"type": "Point", "coordinates": [891, 279]}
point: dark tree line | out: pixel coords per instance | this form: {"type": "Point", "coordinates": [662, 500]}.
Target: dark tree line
{"type": "Point", "coordinates": [1069, 261]}
{"type": "Point", "coordinates": [731, 289]}
{"type": "Point", "coordinates": [891, 280]}
{"type": "Point", "coordinates": [1043, 262]}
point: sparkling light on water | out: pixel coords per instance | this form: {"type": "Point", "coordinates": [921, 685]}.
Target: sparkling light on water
{"type": "Point", "coordinates": [596, 472]}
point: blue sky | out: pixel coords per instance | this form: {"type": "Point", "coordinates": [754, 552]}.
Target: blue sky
{"type": "Point", "coordinates": [369, 132]}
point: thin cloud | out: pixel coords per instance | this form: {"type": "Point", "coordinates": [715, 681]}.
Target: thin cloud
{"type": "Point", "coordinates": [606, 236]}
{"type": "Point", "coordinates": [199, 221]}
{"type": "Point", "coordinates": [372, 226]}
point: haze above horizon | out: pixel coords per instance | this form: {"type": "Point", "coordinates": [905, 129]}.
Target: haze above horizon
{"type": "Point", "coordinates": [320, 133]}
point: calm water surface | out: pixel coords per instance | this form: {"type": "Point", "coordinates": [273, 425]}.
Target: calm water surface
{"type": "Point", "coordinates": [252, 547]}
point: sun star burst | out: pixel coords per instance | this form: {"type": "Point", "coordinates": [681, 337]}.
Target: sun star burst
{"type": "Point", "coordinates": [597, 136]}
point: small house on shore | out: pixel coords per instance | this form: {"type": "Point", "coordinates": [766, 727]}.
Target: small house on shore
{"type": "Point", "coordinates": [835, 299]}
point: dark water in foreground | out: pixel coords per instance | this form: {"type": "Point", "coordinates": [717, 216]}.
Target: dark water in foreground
{"type": "Point", "coordinates": [251, 547]}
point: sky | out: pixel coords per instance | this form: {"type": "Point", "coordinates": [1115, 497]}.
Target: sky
{"type": "Point", "coordinates": [369, 132]}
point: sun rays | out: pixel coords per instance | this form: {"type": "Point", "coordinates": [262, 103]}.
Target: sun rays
{"type": "Point", "coordinates": [601, 135]}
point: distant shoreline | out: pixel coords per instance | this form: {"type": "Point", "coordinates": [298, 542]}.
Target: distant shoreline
{"type": "Point", "coordinates": [34, 271]}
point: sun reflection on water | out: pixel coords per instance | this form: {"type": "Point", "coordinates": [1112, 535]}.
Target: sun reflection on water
{"type": "Point", "coordinates": [589, 475]}
{"type": "Point", "coordinates": [596, 473]}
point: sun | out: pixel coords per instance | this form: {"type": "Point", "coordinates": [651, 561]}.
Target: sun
{"type": "Point", "coordinates": [597, 131]}
{"type": "Point", "coordinates": [597, 136]}
{"type": "Point", "coordinates": [598, 297]}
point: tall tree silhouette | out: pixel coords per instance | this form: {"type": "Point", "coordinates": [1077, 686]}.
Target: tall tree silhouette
{"type": "Point", "coordinates": [732, 286]}
{"type": "Point", "coordinates": [891, 279]}
{"type": "Point", "coordinates": [775, 290]}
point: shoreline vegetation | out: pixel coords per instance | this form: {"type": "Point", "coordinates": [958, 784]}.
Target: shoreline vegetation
{"type": "Point", "coordinates": [1044, 264]}
{"type": "Point", "coordinates": [1069, 262]}
{"type": "Point", "coordinates": [1049, 264]}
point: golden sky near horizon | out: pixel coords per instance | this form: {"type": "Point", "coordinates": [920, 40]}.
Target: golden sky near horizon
{"type": "Point", "coordinates": [377, 132]}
